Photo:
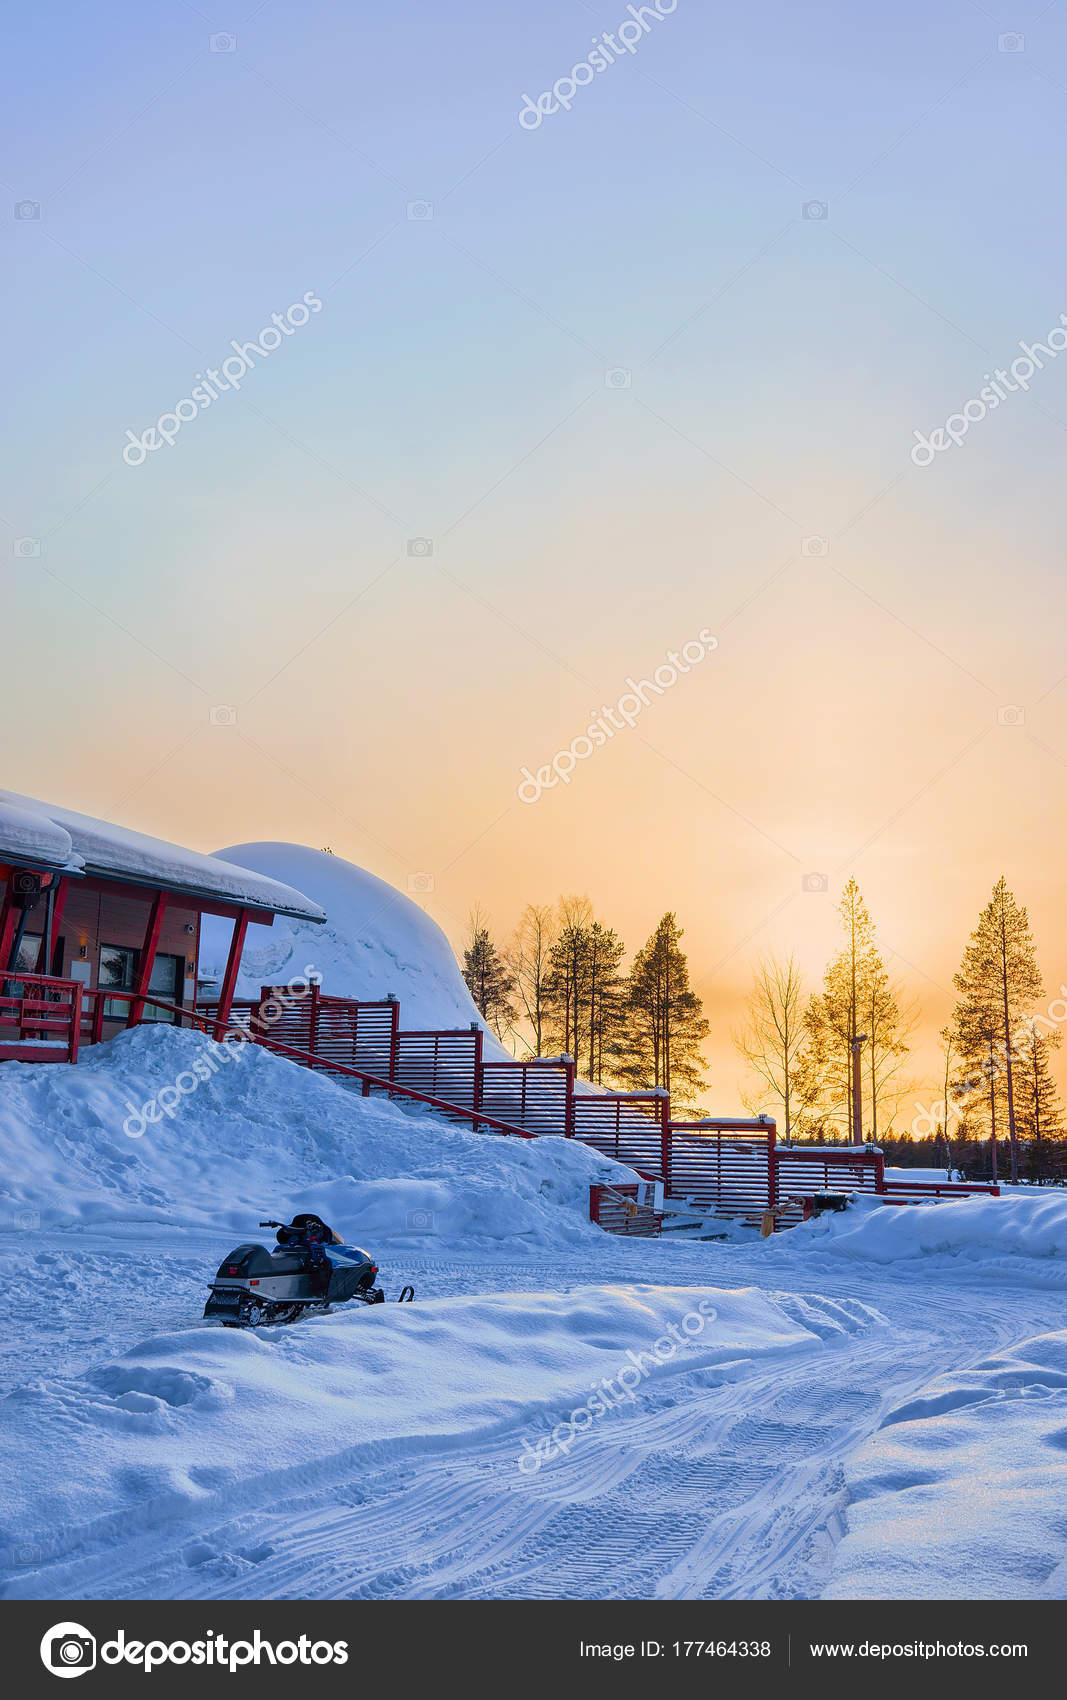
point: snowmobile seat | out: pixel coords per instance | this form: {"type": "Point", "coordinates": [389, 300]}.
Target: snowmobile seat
{"type": "Point", "coordinates": [255, 1260]}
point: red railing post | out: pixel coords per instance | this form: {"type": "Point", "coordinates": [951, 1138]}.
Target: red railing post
{"type": "Point", "coordinates": [75, 1022]}
{"type": "Point", "coordinates": [568, 1114]}
{"type": "Point", "coordinates": [772, 1175]}
{"type": "Point", "coordinates": [313, 1022]}
{"type": "Point", "coordinates": [479, 1040]}
{"type": "Point", "coordinates": [394, 1035]}
{"type": "Point", "coordinates": [665, 1137]}
{"type": "Point", "coordinates": [879, 1171]}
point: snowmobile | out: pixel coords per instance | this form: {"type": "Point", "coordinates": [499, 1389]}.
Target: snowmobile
{"type": "Point", "coordinates": [309, 1269]}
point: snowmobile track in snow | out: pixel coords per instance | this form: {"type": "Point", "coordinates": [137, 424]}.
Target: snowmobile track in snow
{"type": "Point", "coordinates": [717, 1485]}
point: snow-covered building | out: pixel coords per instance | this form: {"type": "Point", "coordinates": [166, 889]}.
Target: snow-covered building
{"type": "Point", "coordinates": [118, 914]}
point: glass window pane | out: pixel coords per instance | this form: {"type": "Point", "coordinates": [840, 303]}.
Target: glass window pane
{"type": "Point", "coordinates": [26, 961]}
{"type": "Point", "coordinates": [116, 969]}
{"type": "Point", "coordinates": [166, 982]}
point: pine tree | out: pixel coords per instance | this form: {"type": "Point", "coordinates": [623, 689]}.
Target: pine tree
{"type": "Point", "coordinates": [1039, 1113]}
{"type": "Point", "coordinates": [569, 977]}
{"type": "Point", "coordinates": [667, 1024]}
{"type": "Point", "coordinates": [529, 961]}
{"type": "Point", "coordinates": [607, 1002]}
{"type": "Point", "coordinates": [858, 999]}
{"type": "Point", "coordinates": [487, 977]}
{"type": "Point", "coordinates": [772, 1040]}
{"type": "Point", "coordinates": [998, 982]}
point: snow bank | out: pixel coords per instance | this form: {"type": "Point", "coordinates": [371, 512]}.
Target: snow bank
{"type": "Point", "coordinates": [376, 941]}
{"type": "Point", "coordinates": [977, 1229]}
{"type": "Point", "coordinates": [188, 1429]}
{"type": "Point", "coordinates": [226, 1134]}
{"type": "Point", "coordinates": [961, 1493]}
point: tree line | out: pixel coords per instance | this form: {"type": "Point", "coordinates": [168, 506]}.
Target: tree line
{"type": "Point", "coordinates": [558, 987]}
{"type": "Point", "coordinates": [832, 1064]}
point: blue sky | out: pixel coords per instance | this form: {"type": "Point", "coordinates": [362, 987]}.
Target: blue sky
{"type": "Point", "coordinates": [455, 387]}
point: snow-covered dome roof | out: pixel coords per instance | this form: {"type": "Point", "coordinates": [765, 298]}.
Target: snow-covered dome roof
{"type": "Point", "coordinates": [375, 941]}
{"type": "Point", "coordinates": [115, 852]}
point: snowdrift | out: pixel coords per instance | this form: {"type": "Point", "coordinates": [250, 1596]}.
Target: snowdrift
{"type": "Point", "coordinates": [961, 1493]}
{"type": "Point", "coordinates": [375, 940]}
{"type": "Point", "coordinates": [187, 1431]}
{"type": "Point", "coordinates": [1030, 1224]}
{"type": "Point", "coordinates": [242, 1134]}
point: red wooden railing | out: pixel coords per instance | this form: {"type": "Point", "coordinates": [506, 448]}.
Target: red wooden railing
{"type": "Point", "coordinates": [40, 1018]}
{"type": "Point", "coordinates": [730, 1167]}
{"type": "Point", "coordinates": [206, 1023]}
{"type": "Point", "coordinates": [625, 1208]}
{"type": "Point", "coordinates": [725, 1166]}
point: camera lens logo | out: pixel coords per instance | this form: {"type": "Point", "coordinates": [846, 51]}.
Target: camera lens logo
{"type": "Point", "coordinates": [68, 1649]}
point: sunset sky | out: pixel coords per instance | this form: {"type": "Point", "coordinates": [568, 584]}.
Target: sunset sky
{"type": "Point", "coordinates": [575, 394]}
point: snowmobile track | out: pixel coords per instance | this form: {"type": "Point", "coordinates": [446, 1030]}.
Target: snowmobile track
{"type": "Point", "coordinates": [721, 1486]}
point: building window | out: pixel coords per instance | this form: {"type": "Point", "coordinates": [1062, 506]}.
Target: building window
{"type": "Point", "coordinates": [118, 971]}
{"type": "Point", "coordinates": [118, 967]}
{"type": "Point", "coordinates": [26, 961]}
{"type": "Point", "coordinates": [167, 982]}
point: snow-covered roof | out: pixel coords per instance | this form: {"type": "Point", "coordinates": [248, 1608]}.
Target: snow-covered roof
{"type": "Point", "coordinates": [34, 832]}
{"type": "Point", "coordinates": [36, 840]}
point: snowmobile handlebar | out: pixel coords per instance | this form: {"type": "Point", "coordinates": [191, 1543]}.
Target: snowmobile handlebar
{"type": "Point", "coordinates": [274, 1224]}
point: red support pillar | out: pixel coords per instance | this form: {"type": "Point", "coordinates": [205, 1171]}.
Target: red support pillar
{"type": "Point", "coordinates": [148, 958]}
{"type": "Point", "coordinates": [8, 914]}
{"type": "Point", "coordinates": [229, 979]}
{"type": "Point", "coordinates": [568, 1126]}
{"type": "Point", "coordinates": [58, 905]}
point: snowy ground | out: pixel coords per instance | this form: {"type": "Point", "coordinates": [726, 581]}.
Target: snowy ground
{"type": "Point", "coordinates": [865, 1373]}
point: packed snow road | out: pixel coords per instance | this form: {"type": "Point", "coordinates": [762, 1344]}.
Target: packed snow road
{"type": "Point", "coordinates": [560, 1414]}
{"type": "Point", "coordinates": [724, 1480]}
